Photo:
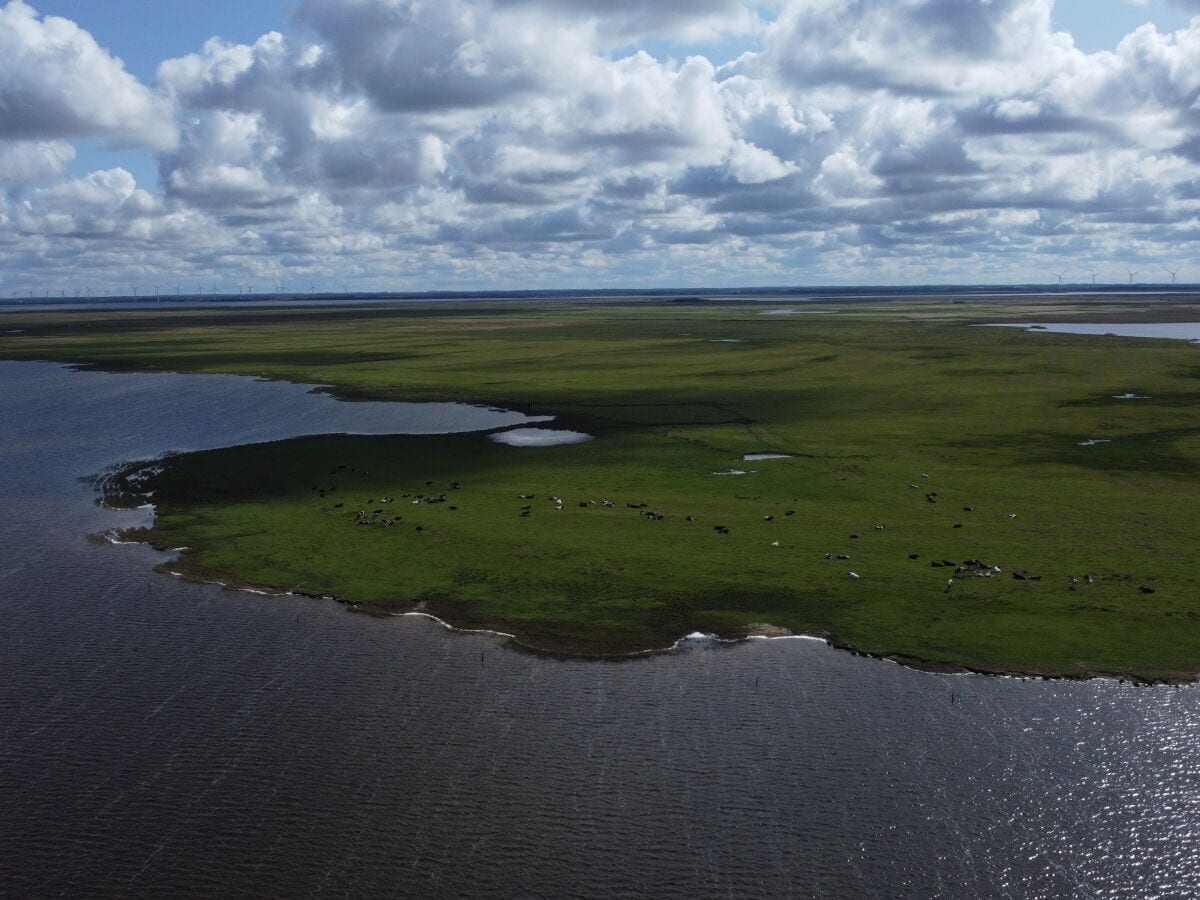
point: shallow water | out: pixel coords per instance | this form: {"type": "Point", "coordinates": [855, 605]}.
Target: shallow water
{"type": "Point", "coordinates": [539, 437]}
{"type": "Point", "coordinates": [162, 738]}
{"type": "Point", "coordinates": [755, 457]}
{"type": "Point", "coordinates": [1183, 331]}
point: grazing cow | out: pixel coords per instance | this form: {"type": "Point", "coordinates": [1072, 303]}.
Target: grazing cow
{"type": "Point", "coordinates": [949, 584]}
{"type": "Point", "coordinates": [768, 518]}
{"type": "Point", "coordinates": [1146, 590]}
{"type": "Point", "coordinates": [852, 575]}
{"type": "Point", "coordinates": [913, 556]}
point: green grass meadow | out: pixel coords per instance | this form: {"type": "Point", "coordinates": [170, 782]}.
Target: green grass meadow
{"type": "Point", "coordinates": [878, 406]}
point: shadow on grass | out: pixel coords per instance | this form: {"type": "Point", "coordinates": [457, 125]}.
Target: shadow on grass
{"type": "Point", "coordinates": [1143, 453]}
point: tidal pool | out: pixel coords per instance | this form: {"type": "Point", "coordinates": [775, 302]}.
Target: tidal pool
{"type": "Point", "coordinates": [539, 437]}
{"type": "Point", "coordinates": [1181, 331]}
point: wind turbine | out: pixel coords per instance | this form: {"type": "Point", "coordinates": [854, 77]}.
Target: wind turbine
{"type": "Point", "coordinates": [134, 288]}
{"type": "Point", "coordinates": [1093, 277]}
{"type": "Point", "coordinates": [1059, 276]}
{"type": "Point", "coordinates": [311, 287]}
{"type": "Point", "coordinates": [1131, 274]}
{"type": "Point", "coordinates": [345, 287]}
{"type": "Point", "coordinates": [1173, 272]}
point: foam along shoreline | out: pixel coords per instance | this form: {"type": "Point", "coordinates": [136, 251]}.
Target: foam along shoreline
{"type": "Point", "coordinates": [692, 640]}
{"type": "Point", "coordinates": [539, 437]}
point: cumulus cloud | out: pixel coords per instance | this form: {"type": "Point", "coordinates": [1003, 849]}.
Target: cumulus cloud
{"type": "Point", "coordinates": [413, 143]}
{"type": "Point", "coordinates": [28, 162]}
{"type": "Point", "coordinates": [57, 82]}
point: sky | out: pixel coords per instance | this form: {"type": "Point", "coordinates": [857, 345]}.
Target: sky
{"type": "Point", "coordinates": [508, 144]}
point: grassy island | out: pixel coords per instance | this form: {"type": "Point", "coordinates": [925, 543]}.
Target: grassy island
{"type": "Point", "coordinates": [916, 451]}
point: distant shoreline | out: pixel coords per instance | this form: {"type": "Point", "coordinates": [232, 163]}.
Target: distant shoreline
{"type": "Point", "coordinates": [819, 294]}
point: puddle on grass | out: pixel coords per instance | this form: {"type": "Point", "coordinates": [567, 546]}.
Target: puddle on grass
{"type": "Point", "coordinates": [1094, 442]}
{"type": "Point", "coordinates": [755, 457]}
{"type": "Point", "coordinates": [726, 341]}
{"type": "Point", "coordinates": [1130, 397]}
{"type": "Point", "coordinates": [539, 437]}
{"type": "Point", "coordinates": [733, 472]}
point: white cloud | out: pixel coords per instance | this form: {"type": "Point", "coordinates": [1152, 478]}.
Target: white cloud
{"type": "Point", "coordinates": [57, 82]}
{"type": "Point", "coordinates": [410, 143]}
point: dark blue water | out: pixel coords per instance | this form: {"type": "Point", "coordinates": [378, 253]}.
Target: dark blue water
{"type": "Point", "coordinates": [160, 738]}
